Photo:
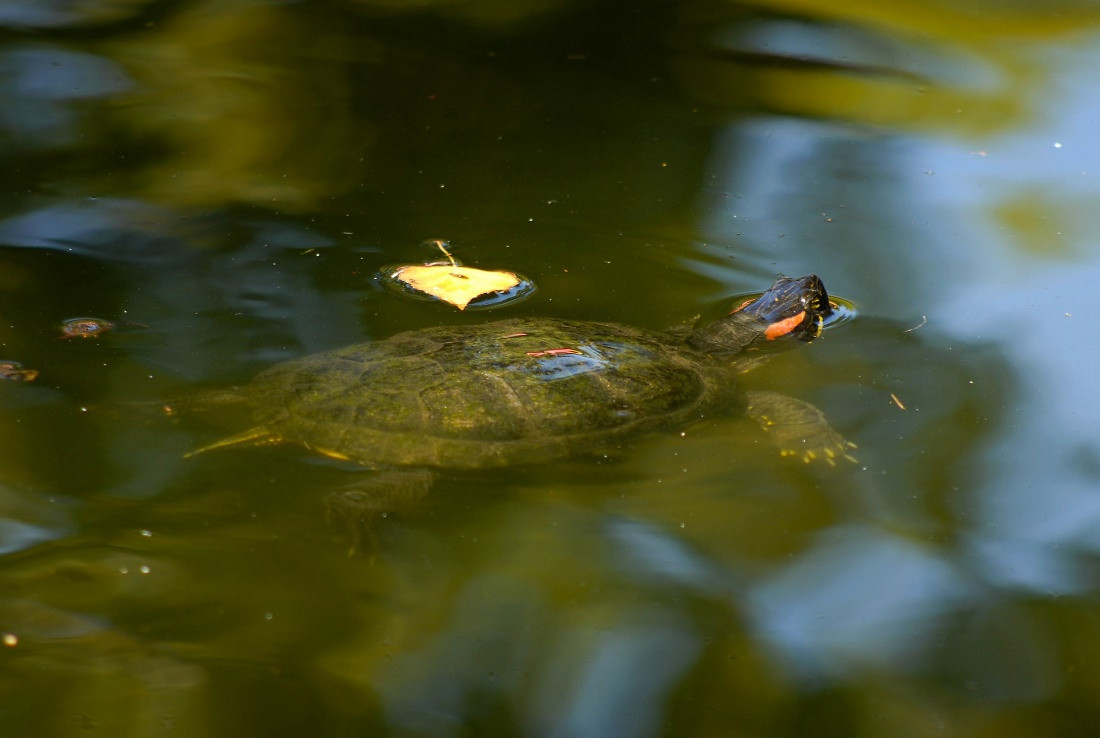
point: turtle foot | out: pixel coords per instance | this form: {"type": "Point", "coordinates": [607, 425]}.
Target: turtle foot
{"type": "Point", "coordinates": [358, 510]}
{"type": "Point", "coordinates": [798, 428]}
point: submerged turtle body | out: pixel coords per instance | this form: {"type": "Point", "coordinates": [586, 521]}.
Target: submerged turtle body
{"type": "Point", "coordinates": [513, 391]}
{"type": "Point", "coordinates": [531, 390]}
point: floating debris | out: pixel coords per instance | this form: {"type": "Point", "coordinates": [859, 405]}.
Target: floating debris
{"type": "Point", "coordinates": [85, 327]}
{"type": "Point", "coordinates": [449, 281]}
{"type": "Point", "coordinates": [921, 324]}
{"type": "Point", "coordinates": [13, 371]}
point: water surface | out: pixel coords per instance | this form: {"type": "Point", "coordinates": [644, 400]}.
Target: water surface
{"type": "Point", "coordinates": [223, 180]}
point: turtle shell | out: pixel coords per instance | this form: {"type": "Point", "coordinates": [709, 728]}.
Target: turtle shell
{"type": "Point", "coordinates": [514, 391]}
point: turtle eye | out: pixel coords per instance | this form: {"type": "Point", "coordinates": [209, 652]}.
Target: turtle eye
{"type": "Point", "coordinates": [814, 304]}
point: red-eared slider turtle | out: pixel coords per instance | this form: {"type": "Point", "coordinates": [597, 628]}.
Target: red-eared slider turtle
{"type": "Point", "coordinates": [528, 390]}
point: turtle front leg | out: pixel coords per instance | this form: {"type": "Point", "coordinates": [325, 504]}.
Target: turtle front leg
{"type": "Point", "coordinates": [357, 510]}
{"type": "Point", "coordinates": [797, 428]}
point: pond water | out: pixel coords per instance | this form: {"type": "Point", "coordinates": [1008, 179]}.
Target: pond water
{"type": "Point", "coordinates": [221, 180]}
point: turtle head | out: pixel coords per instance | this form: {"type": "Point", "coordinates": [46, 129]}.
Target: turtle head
{"type": "Point", "coordinates": [793, 308]}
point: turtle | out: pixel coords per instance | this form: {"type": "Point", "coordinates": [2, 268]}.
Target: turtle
{"type": "Point", "coordinates": [531, 390]}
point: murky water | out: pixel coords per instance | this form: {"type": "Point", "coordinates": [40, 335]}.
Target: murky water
{"type": "Point", "coordinates": [222, 181]}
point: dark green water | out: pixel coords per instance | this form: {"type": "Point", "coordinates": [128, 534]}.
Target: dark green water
{"type": "Point", "coordinates": [223, 179]}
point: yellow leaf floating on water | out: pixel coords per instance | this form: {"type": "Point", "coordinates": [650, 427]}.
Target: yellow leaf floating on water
{"type": "Point", "coordinates": [457, 285]}
{"type": "Point", "coordinates": [452, 283]}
